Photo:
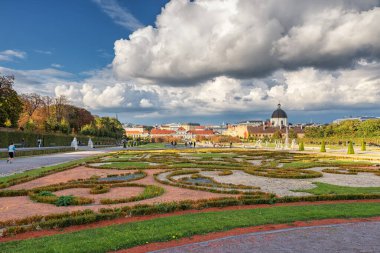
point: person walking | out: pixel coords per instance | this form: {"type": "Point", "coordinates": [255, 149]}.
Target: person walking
{"type": "Point", "coordinates": [11, 152]}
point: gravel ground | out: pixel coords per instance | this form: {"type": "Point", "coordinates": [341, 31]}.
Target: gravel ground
{"type": "Point", "coordinates": [348, 238]}
{"type": "Point", "coordinates": [283, 187]}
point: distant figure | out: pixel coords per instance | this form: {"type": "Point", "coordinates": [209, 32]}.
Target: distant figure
{"type": "Point", "coordinates": [23, 142]}
{"type": "Point", "coordinates": [230, 144]}
{"type": "Point", "coordinates": [39, 142]}
{"type": "Point", "coordinates": [175, 143]}
{"type": "Point", "coordinates": [194, 144]}
{"type": "Point", "coordinates": [11, 152]}
{"type": "Point", "coordinates": [186, 144]}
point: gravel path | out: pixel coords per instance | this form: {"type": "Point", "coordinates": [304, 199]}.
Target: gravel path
{"type": "Point", "coordinates": [28, 163]}
{"type": "Point", "coordinates": [348, 238]}
{"type": "Point", "coordinates": [283, 187]}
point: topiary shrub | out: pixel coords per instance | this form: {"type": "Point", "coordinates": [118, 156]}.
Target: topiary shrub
{"type": "Point", "coordinates": [64, 200]}
{"type": "Point", "coordinates": [301, 146]}
{"type": "Point", "coordinates": [323, 147]}
{"type": "Point", "coordinates": [350, 150]}
{"type": "Point", "coordinates": [364, 148]}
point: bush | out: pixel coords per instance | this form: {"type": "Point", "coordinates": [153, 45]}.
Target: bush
{"type": "Point", "coordinates": [301, 146]}
{"type": "Point", "coordinates": [64, 200]}
{"type": "Point", "coordinates": [323, 147]}
{"type": "Point", "coordinates": [350, 150]}
{"type": "Point", "coordinates": [45, 193]}
{"type": "Point", "coordinates": [364, 148]}
{"type": "Point", "coordinates": [99, 189]}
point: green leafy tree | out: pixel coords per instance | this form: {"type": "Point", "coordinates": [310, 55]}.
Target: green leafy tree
{"type": "Point", "coordinates": [10, 103]}
{"type": "Point", "coordinates": [323, 147]}
{"type": "Point", "coordinates": [350, 150]}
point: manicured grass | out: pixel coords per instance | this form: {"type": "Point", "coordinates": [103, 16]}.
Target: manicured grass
{"type": "Point", "coordinates": [323, 188]}
{"type": "Point", "coordinates": [214, 155]}
{"type": "Point", "coordinates": [122, 165]}
{"type": "Point", "coordinates": [153, 145]}
{"type": "Point", "coordinates": [169, 228]}
{"type": "Point", "coordinates": [300, 165]}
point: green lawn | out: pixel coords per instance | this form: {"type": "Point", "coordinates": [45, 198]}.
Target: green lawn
{"type": "Point", "coordinates": [323, 188]}
{"type": "Point", "coordinates": [169, 228]}
{"type": "Point", "coordinates": [122, 165]}
{"type": "Point", "coordinates": [153, 145]}
{"type": "Point", "coordinates": [214, 155]}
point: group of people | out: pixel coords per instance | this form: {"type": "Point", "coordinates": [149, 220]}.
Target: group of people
{"type": "Point", "coordinates": [191, 144]}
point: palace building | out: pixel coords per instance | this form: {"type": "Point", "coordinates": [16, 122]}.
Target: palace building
{"type": "Point", "coordinates": [279, 118]}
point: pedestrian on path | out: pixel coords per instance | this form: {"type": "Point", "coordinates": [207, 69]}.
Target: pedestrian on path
{"type": "Point", "coordinates": [11, 152]}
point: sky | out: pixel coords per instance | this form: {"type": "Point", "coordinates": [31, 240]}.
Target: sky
{"type": "Point", "coordinates": [207, 61]}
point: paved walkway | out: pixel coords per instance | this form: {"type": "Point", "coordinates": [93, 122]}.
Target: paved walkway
{"type": "Point", "coordinates": [22, 164]}
{"type": "Point", "coordinates": [353, 237]}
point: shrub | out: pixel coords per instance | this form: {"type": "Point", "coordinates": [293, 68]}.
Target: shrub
{"type": "Point", "coordinates": [364, 148]}
{"type": "Point", "coordinates": [45, 193]}
{"type": "Point", "coordinates": [323, 147]}
{"type": "Point", "coordinates": [301, 146]}
{"type": "Point", "coordinates": [350, 150]}
{"type": "Point", "coordinates": [99, 189]}
{"type": "Point", "coordinates": [64, 200]}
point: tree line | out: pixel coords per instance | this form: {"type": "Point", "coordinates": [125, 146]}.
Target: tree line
{"type": "Point", "coordinates": [35, 113]}
{"type": "Point", "coordinates": [346, 129]}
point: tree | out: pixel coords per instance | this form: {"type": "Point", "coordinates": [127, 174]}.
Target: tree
{"type": "Point", "coordinates": [31, 103]}
{"type": "Point", "coordinates": [277, 135]}
{"type": "Point", "coordinates": [350, 150]}
{"type": "Point", "coordinates": [323, 147]}
{"type": "Point", "coordinates": [292, 134]}
{"type": "Point", "coordinates": [10, 103]}
{"type": "Point", "coordinates": [59, 105]}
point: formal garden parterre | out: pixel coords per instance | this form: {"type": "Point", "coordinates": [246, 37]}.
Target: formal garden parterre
{"type": "Point", "coordinates": [147, 182]}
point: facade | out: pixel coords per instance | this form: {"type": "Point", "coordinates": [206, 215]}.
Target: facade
{"type": "Point", "coordinates": [190, 126]}
{"type": "Point", "coordinates": [136, 131]}
{"type": "Point", "coordinates": [279, 118]}
{"type": "Point", "coordinates": [260, 129]}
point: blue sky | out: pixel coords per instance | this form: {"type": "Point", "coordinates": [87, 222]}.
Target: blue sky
{"type": "Point", "coordinates": [154, 61]}
{"type": "Point", "coordinates": [76, 34]}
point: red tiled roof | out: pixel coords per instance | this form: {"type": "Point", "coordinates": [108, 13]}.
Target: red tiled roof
{"type": "Point", "coordinates": [161, 131]}
{"type": "Point", "coordinates": [181, 129]}
{"type": "Point", "coordinates": [201, 132]}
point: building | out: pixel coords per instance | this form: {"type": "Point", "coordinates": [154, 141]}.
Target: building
{"type": "Point", "coordinates": [190, 126]}
{"type": "Point", "coordinates": [278, 122]}
{"type": "Point", "coordinates": [256, 122]}
{"type": "Point", "coordinates": [279, 118]}
{"type": "Point", "coordinates": [136, 131]}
